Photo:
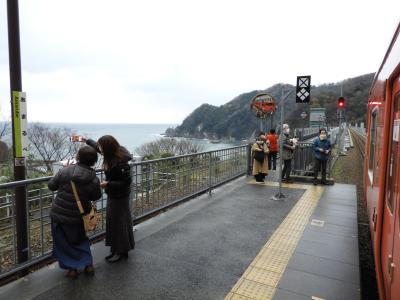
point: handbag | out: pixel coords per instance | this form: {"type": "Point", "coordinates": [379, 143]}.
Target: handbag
{"type": "Point", "coordinates": [259, 156]}
{"type": "Point", "coordinates": [90, 219]}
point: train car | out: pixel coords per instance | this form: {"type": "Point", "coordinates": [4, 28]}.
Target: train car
{"type": "Point", "coordinates": [382, 171]}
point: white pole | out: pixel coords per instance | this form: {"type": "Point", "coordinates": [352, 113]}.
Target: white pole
{"type": "Point", "coordinates": [279, 195]}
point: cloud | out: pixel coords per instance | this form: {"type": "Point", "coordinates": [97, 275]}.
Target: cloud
{"type": "Point", "coordinates": [155, 61]}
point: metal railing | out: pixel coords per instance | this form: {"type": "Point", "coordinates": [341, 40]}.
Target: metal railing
{"type": "Point", "coordinates": [38, 205]}
{"type": "Point", "coordinates": [156, 185]}
{"type": "Point", "coordinates": [303, 160]}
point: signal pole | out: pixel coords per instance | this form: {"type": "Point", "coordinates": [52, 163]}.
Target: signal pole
{"type": "Point", "coordinates": [14, 52]}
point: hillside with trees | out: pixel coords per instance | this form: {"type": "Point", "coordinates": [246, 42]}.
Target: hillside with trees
{"type": "Point", "coordinates": [234, 119]}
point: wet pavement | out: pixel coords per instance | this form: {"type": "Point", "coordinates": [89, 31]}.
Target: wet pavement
{"type": "Point", "coordinates": [222, 247]}
{"type": "Point", "coordinates": [195, 251]}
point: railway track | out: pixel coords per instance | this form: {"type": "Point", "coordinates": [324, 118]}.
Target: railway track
{"type": "Point", "coordinates": [359, 141]}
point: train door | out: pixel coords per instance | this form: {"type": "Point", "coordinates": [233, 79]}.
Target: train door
{"type": "Point", "coordinates": [391, 218]}
{"type": "Point", "coordinates": [394, 266]}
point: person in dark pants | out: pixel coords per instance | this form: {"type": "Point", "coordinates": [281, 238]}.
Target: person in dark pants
{"type": "Point", "coordinates": [322, 149]}
{"type": "Point", "coordinates": [119, 227]}
{"type": "Point", "coordinates": [70, 244]}
{"type": "Point", "coordinates": [259, 152]}
{"type": "Point", "coordinates": [287, 154]}
{"type": "Point", "coordinates": [272, 141]}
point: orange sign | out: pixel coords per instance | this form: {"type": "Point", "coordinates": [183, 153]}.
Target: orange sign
{"type": "Point", "coordinates": [262, 104]}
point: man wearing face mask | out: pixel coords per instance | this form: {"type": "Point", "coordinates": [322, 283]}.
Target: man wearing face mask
{"type": "Point", "coordinates": [287, 154]}
{"type": "Point", "coordinates": [322, 149]}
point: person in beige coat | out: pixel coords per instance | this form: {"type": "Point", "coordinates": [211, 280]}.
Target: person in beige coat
{"type": "Point", "coordinates": [259, 152]}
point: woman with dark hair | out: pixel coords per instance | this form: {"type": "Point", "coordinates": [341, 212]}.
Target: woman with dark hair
{"type": "Point", "coordinates": [119, 227]}
{"type": "Point", "coordinates": [70, 244]}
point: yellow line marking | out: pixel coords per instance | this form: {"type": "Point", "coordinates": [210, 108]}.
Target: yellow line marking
{"type": "Point", "coordinates": [261, 278]}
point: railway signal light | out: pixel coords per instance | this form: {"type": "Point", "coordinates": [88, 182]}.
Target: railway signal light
{"type": "Point", "coordinates": [340, 103]}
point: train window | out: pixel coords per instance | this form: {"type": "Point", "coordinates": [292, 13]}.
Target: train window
{"type": "Point", "coordinates": [392, 187]}
{"type": "Point", "coordinates": [372, 135]}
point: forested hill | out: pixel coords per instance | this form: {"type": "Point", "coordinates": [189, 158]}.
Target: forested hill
{"type": "Point", "coordinates": [234, 119]}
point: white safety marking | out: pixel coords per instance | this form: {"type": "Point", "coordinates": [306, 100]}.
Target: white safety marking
{"type": "Point", "coordinates": [316, 222]}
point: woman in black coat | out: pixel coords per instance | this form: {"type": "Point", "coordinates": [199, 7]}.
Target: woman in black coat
{"type": "Point", "coordinates": [119, 227]}
{"type": "Point", "coordinates": [70, 244]}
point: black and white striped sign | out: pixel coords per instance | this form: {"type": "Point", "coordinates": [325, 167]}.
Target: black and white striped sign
{"type": "Point", "coordinates": [303, 89]}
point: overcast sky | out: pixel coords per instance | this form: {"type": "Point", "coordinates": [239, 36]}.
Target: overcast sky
{"type": "Point", "coordinates": [156, 61]}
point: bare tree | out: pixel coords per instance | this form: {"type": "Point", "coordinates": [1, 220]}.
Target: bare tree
{"type": "Point", "coordinates": [50, 144]}
{"type": "Point", "coordinates": [5, 129]}
{"type": "Point", "coordinates": [167, 147]}
{"type": "Point", "coordinates": [5, 126]}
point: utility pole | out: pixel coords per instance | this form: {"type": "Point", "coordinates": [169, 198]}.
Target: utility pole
{"type": "Point", "coordinates": [19, 169]}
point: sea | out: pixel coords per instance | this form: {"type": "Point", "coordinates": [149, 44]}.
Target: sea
{"type": "Point", "coordinates": [132, 136]}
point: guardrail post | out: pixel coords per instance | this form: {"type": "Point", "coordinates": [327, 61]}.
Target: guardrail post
{"type": "Point", "coordinates": [329, 165]}
{"type": "Point", "coordinates": [248, 155]}
{"type": "Point", "coordinates": [209, 173]}
{"type": "Point", "coordinates": [132, 192]}
{"type": "Point", "coordinates": [8, 202]}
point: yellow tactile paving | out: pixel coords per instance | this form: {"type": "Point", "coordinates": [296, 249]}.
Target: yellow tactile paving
{"type": "Point", "coordinates": [232, 296]}
{"type": "Point", "coordinates": [261, 278]}
{"type": "Point", "coordinates": [255, 290]}
{"type": "Point", "coordinates": [287, 244]}
{"type": "Point", "coordinates": [274, 264]}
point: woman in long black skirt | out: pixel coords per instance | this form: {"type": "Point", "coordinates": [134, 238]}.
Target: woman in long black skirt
{"type": "Point", "coordinates": [119, 227]}
{"type": "Point", "coordinates": [70, 244]}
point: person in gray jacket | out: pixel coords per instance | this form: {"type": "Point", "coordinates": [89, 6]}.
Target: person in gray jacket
{"type": "Point", "coordinates": [70, 244]}
{"type": "Point", "coordinates": [287, 154]}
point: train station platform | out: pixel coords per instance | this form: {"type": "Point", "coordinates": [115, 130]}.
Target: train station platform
{"type": "Point", "coordinates": [235, 244]}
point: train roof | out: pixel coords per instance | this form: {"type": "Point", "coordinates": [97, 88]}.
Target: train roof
{"type": "Point", "coordinates": [390, 62]}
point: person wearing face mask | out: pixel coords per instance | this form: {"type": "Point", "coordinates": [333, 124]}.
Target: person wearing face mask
{"type": "Point", "coordinates": [259, 152]}
{"type": "Point", "coordinates": [287, 154]}
{"type": "Point", "coordinates": [322, 149]}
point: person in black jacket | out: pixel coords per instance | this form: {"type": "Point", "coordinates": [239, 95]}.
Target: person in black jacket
{"type": "Point", "coordinates": [70, 244]}
{"type": "Point", "coordinates": [119, 226]}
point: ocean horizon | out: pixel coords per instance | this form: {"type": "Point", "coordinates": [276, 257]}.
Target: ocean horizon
{"type": "Point", "coordinates": [133, 136]}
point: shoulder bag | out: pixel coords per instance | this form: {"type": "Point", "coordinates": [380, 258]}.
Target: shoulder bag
{"type": "Point", "coordinates": [90, 219]}
{"type": "Point", "coordinates": [259, 155]}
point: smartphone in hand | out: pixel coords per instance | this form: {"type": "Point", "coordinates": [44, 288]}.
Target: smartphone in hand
{"type": "Point", "coordinates": [76, 138]}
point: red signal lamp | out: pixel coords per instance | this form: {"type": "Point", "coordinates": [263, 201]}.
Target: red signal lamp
{"type": "Point", "coordinates": [340, 103]}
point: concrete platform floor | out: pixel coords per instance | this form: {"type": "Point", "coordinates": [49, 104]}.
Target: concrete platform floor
{"type": "Point", "coordinates": [198, 250]}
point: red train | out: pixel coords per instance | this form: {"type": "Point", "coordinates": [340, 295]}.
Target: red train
{"type": "Point", "coordinates": [382, 171]}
